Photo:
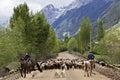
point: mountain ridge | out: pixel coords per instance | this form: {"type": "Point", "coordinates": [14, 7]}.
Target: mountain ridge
{"type": "Point", "coordinates": [52, 13]}
{"type": "Point", "coordinates": [70, 23]}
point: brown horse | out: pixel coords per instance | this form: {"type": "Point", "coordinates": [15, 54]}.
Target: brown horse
{"type": "Point", "coordinates": [88, 67]}
{"type": "Point", "coordinates": [27, 67]}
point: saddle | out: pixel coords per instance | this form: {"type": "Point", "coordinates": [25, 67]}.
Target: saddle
{"type": "Point", "coordinates": [28, 62]}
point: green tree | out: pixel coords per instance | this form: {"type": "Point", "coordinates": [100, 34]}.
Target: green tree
{"type": "Point", "coordinates": [72, 44]}
{"type": "Point", "coordinates": [27, 32]}
{"type": "Point", "coordinates": [52, 44]}
{"type": "Point", "coordinates": [100, 32]}
{"type": "Point", "coordinates": [84, 35]}
{"type": "Point", "coordinates": [110, 44]}
{"type": "Point", "coordinates": [20, 11]}
{"type": "Point", "coordinates": [20, 24]}
{"type": "Point", "coordinates": [41, 32]}
{"type": "Point", "coordinates": [31, 30]}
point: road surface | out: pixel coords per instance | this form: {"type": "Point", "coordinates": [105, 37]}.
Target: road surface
{"type": "Point", "coordinates": [76, 74]}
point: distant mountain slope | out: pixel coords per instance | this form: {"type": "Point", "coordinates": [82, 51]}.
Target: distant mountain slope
{"type": "Point", "coordinates": [112, 15]}
{"type": "Point", "coordinates": [71, 20]}
{"type": "Point", "coordinates": [51, 13]}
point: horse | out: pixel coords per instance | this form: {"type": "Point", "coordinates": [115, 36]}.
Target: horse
{"type": "Point", "coordinates": [88, 67]}
{"type": "Point", "coordinates": [27, 67]}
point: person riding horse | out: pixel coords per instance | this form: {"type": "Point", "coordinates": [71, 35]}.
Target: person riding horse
{"type": "Point", "coordinates": [27, 57]}
{"type": "Point", "coordinates": [90, 56]}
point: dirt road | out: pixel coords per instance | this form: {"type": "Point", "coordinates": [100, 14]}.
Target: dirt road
{"type": "Point", "coordinates": [76, 74]}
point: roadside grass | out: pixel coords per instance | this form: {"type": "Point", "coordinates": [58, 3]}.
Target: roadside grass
{"type": "Point", "coordinates": [104, 58]}
{"type": "Point", "coordinates": [13, 65]}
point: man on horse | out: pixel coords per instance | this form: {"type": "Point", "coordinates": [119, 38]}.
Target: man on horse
{"type": "Point", "coordinates": [27, 57]}
{"type": "Point", "coordinates": [89, 64]}
{"type": "Point", "coordinates": [90, 56]}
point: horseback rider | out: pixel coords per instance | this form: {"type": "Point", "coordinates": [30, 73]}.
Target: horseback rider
{"type": "Point", "coordinates": [90, 56]}
{"type": "Point", "coordinates": [27, 57]}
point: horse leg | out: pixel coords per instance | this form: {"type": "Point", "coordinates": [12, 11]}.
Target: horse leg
{"type": "Point", "coordinates": [21, 72]}
{"type": "Point", "coordinates": [85, 69]}
{"type": "Point", "coordinates": [29, 70]}
{"type": "Point", "coordinates": [88, 74]}
{"type": "Point", "coordinates": [91, 68]}
{"type": "Point", "coordinates": [25, 73]}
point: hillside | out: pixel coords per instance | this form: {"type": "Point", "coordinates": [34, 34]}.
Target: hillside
{"type": "Point", "coordinates": [51, 13]}
{"type": "Point", "coordinates": [71, 20]}
{"type": "Point", "coordinates": [112, 15]}
{"type": "Point", "coordinates": [109, 46]}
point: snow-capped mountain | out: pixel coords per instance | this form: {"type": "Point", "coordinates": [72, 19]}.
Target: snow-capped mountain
{"type": "Point", "coordinates": [52, 13]}
{"type": "Point", "coordinates": [70, 21]}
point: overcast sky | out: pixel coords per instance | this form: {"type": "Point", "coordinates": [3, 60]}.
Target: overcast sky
{"type": "Point", "coordinates": [6, 6]}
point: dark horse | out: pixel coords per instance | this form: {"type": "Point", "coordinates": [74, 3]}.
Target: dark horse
{"type": "Point", "coordinates": [27, 67]}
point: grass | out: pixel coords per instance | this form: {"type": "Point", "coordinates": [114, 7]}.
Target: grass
{"type": "Point", "coordinates": [102, 58]}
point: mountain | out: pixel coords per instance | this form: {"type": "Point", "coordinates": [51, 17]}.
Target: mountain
{"type": "Point", "coordinates": [77, 4]}
{"type": "Point", "coordinates": [112, 15]}
{"type": "Point", "coordinates": [51, 13]}
{"type": "Point", "coordinates": [70, 21]}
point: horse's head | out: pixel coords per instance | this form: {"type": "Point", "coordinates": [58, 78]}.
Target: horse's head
{"type": "Point", "coordinates": [22, 60]}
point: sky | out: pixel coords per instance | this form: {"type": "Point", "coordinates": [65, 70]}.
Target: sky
{"type": "Point", "coordinates": [6, 6]}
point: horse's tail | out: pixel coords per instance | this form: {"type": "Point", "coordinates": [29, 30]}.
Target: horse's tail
{"type": "Point", "coordinates": [38, 66]}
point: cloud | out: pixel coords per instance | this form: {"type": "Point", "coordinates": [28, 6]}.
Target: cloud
{"type": "Point", "coordinates": [6, 6]}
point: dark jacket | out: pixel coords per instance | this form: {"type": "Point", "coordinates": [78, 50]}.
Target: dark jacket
{"type": "Point", "coordinates": [90, 56]}
{"type": "Point", "coordinates": [27, 57]}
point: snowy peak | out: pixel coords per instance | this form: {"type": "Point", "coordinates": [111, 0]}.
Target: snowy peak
{"type": "Point", "coordinates": [51, 13]}
{"type": "Point", "coordinates": [49, 7]}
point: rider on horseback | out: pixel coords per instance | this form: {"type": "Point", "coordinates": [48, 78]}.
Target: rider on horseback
{"type": "Point", "coordinates": [27, 57]}
{"type": "Point", "coordinates": [90, 56]}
